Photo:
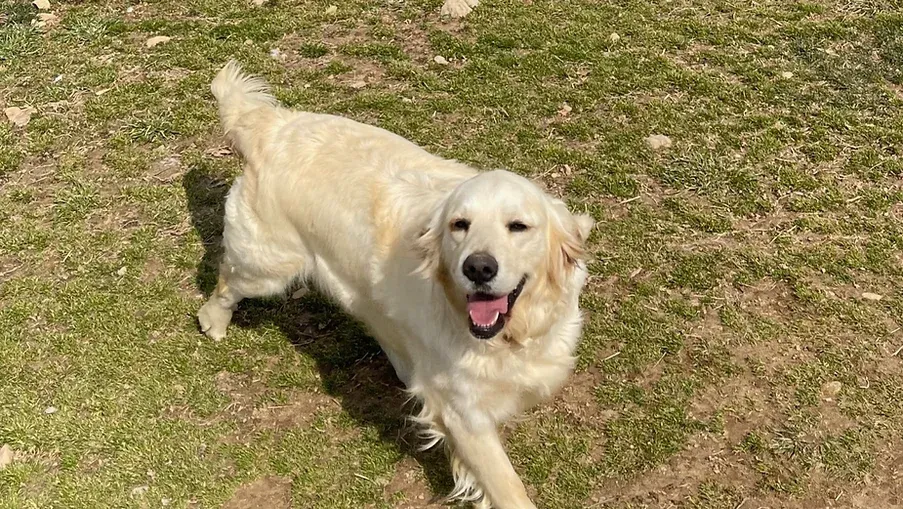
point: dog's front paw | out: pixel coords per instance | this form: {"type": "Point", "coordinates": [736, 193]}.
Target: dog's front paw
{"type": "Point", "coordinates": [214, 319]}
{"type": "Point", "coordinates": [458, 8]}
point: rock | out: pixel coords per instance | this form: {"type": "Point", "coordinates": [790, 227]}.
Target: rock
{"type": "Point", "coordinates": [658, 141]}
{"type": "Point", "coordinates": [6, 456]}
{"type": "Point", "coordinates": [831, 389]}
{"type": "Point", "coordinates": [458, 8]}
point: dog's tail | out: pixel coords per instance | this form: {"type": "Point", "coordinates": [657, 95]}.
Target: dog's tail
{"type": "Point", "coordinates": [239, 94]}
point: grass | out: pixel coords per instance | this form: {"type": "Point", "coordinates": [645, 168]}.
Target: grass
{"type": "Point", "coordinates": [730, 356]}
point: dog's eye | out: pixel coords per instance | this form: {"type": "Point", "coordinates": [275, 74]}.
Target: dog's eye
{"type": "Point", "coordinates": [461, 225]}
{"type": "Point", "coordinates": [517, 226]}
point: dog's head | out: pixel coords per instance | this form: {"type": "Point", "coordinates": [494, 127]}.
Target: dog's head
{"type": "Point", "coordinates": [504, 252]}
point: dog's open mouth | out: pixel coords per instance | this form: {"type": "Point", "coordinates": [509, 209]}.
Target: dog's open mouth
{"type": "Point", "coordinates": [488, 312]}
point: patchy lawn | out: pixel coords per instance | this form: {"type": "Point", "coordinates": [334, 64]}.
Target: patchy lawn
{"type": "Point", "coordinates": [743, 345]}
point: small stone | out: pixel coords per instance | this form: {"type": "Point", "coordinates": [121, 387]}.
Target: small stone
{"type": "Point", "coordinates": [787, 75]}
{"type": "Point", "coordinates": [6, 456]}
{"type": "Point", "coordinates": [165, 501]}
{"type": "Point", "coordinates": [129, 10]}
{"type": "Point", "coordinates": [332, 9]}
{"type": "Point", "coordinates": [58, 78]}
{"type": "Point", "coordinates": [658, 141]}
{"type": "Point", "coordinates": [358, 84]}
{"type": "Point", "coordinates": [614, 37]}
{"type": "Point", "coordinates": [872, 296]}
{"type": "Point", "coordinates": [300, 293]}
{"type": "Point", "coordinates": [139, 491]}
{"type": "Point", "coordinates": [439, 59]}
{"type": "Point", "coordinates": [831, 389]}
{"type": "Point", "coordinates": [275, 53]}
{"type": "Point", "coordinates": [565, 109]}
{"type": "Point", "coordinates": [122, 270]}
{"type": "Point", "coordinates": [50, 410]}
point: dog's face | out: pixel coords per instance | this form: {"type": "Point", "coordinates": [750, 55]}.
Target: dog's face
{"type": "Point", "coordinates": [496, 240]}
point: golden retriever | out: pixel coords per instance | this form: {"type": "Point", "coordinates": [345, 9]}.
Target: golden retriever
{"type": "Point", "coordinates": [469, 280]}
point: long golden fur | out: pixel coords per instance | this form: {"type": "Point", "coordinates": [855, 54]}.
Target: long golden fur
{"type": "Point", "coordinates": [388, 231]}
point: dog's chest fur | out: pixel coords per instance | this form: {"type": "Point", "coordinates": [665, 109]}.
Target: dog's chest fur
{"type": "Point", "coordinates": [506, 380]}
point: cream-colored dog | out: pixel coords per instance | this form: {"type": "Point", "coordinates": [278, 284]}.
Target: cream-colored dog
{"type": "Point", "coordinates": [469, 281]}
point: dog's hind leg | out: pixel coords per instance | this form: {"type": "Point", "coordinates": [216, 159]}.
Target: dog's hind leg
{"type": "Point", "coordinates": [232, 286]}
{"type": "Point", "coordinates": [255, 264]}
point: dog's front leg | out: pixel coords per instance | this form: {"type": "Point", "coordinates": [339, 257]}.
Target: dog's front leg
{"type": "Point", "coordinates": [476, 444]}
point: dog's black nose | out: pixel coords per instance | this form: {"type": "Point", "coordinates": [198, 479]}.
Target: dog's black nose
{"type": "Point", "coordinates": [480, 268]}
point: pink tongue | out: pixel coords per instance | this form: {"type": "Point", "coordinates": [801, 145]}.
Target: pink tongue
{"type": "Point", "coordinates": [483, 312]}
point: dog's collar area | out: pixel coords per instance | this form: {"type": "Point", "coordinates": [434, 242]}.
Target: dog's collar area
{"type": "Point", "coordinates": [488, 313]}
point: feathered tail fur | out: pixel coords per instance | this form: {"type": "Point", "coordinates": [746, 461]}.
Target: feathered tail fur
{"type": "Point", "coordinates": [238, 94]}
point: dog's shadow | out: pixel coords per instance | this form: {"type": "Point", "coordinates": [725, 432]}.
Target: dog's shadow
{"type": "Point", "coordinates": [352, 367]}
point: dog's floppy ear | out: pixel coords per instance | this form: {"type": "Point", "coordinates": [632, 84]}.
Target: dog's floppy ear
{"type": "Point", "coordinates": [567, 240]}
{"type": "Point", "coordinates": [428, 244]}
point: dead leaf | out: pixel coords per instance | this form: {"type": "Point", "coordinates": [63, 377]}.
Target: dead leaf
{"type": "Point", "coordinates": [58, 106]}
{"type": "Point", "coordinates": [358, 84]}
{"type": "Point", "coordinates": [658, 141]}
{"type": "Point", "coordinates": [6, 456]}
{"type": "Point", "coordinates": [872, 296]}
{"type": "Point", "coordinates": [614, 37]}
{"type": "Point", "coordinates": [787, 75]}
{"type": "Point", "coordinates": [332, 9]}
{"type": "Point", "coordinates": [102, 91]}
{"type": "Point", "coordinates": [122, 270]}
{"type": "Point", "coordinates": [258, 3]}
{"type": "Point", "coordinates": [41, 4]}
{"type": "Point", "coordinates": [157, 39]}
{"type": "Point", "coordinates": [139, 491]}
{"type": "Point", "coordinates": [219, 152]}
{"type": "Point", "coordinates": [565, 109]}
{"type": "Point", "coordinates": [300, 293]}
{"type": "Point", "coordinates": [45, 20]}
{"type": "Point", "coordinates": [50, 410]}
{"type": "Point", "coordinates": [19, 116]}
{"type": "Point", "coordinates": [439, 59]}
